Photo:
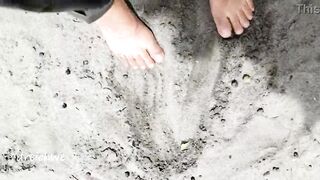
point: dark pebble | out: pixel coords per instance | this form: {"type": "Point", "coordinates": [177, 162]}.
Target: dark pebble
{"type": "Point", "coordinates": [266, 173]}
{"type": "Point", "coordinates": [245, 76]}
{"type": "Point", "coordinates": [193, 178]}
{"type": "Point", "coordinates": [127, 173]}
{"type": "Point", "coordinates": [234, 83]}
{"type": "Point", "coordinates": [260, 110]}
{"type": "Point", "coordinates": [68, 71]}
{"type": "Point", "coordinates": [202, 127]}
{"type": "Point", "coordinates": [85, 62]}
{"type": "Point", "coordinates": [295, 154]}
{"type": "Point", "coordinates": [276, 168]}
{"type": "Point", "coordinates": [64, 105]}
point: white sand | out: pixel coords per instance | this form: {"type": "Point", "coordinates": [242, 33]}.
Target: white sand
{"type": "Point", "coordinates": [186, 119]}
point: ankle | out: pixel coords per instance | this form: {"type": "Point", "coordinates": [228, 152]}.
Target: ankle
{"type": "Point", "coordinates": [119, 20]}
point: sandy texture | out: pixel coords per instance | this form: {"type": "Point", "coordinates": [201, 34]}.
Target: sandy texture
{"type": "Point", "coordinates": [245, 108]}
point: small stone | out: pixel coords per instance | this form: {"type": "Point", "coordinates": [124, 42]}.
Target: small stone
{"type": "Point", "coordinates": [68, 71]}
{"type": "Point", "coordinates": [127, 173]}
{"type": "Point", "coordinates": [234, 83]}
{"type": "Point", "coordinates": [296, 154]}
{"type": "Point", "coordinates": [223, 120]}
{"type": "Point", "coordinates": [64, 105]}
{"type": "Point", "coordinates": [260, 110]}
{"type": "Point", "coordinates": [193, 178]}
{"type": "Point", "coordinates": [266, 173]}
{"type": "Point", "coordinates": [202, 127]}
{"type": "Point", "coordinates": [246, 78]}
{"type": "Point", "coordinates": [276, 168]}
{"type": "Point", "coordinates": [184, 145]}
{"type": "Point", "coordinates": [85, 62]}
{"type": "Point", "coordinates": [41, 54]}
{"type": "Point", "coordinates": [291, 76]}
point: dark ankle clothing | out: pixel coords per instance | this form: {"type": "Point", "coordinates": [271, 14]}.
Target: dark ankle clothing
{"type": "Point", "coordinates": [88, 10]}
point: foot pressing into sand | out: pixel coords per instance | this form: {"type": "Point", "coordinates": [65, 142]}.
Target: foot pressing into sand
{"type": "Point", "coordinates": [129, 38]}
{"type": "Point", "coordinates": [232, 15]}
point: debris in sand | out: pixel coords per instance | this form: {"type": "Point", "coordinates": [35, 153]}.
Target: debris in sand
{"type": "Point", "coordinates": [234, 83]}
{"type": "Point", "coordinates": [64, 105]}
{"type": "Point", "coordinates": [202, 127]}
{"type": "Point", "coordinates": [260, 110]}
{"type": "Point", "coordinates": [68, 71]}
{"type": "Point", "coordinates": [246, 78]}
{"type": "Point", "coordinates": [127, 173]}
{"type": "Point", "coordinates": [184, 145]}
{"type": "Point", "coordinates": [266, 173]}
{"type": "Point", "coordinates": [85, 62]}
{"type": "Point", "coordinates": [41, 54]}
{"type": "Point", "coordinates": [276, 168]}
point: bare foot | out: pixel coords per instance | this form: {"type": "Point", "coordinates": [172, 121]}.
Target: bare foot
{"type": "Point", "coordinates": [129, 38]}
{"type": "Point", "coordinates": [232, 14]}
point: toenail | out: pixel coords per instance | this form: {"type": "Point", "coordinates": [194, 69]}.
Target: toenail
{"type": "Point", "coordinates": [239, 32]}
{"type": "Point", "coordinates": [226, 34]}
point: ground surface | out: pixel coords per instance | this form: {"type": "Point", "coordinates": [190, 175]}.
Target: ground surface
{"type": "Point", "coordinates": [245, 108]}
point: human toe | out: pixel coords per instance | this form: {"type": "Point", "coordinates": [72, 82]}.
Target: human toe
{"type": "Point", "coordinates": [155, 51]}
{"type": "Point", "coordinates": [140, 62]}
{"type": "Point", "coordinates": [243, 19]}
{"type": "Point", "coordinates": [238, 29]}
{"type": "Point", "coordinates": [223, 26]}
{"type": "Point", "coordinates": [251, 4]}
{"type": "Point", "coordinates": [148, 59]}
{"type": "Point", "coordinates": [247, 11]}
{"type": "Point", "coordinates": [123, 60]}
{"type": "Point", "coordinates": [132, 62]}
